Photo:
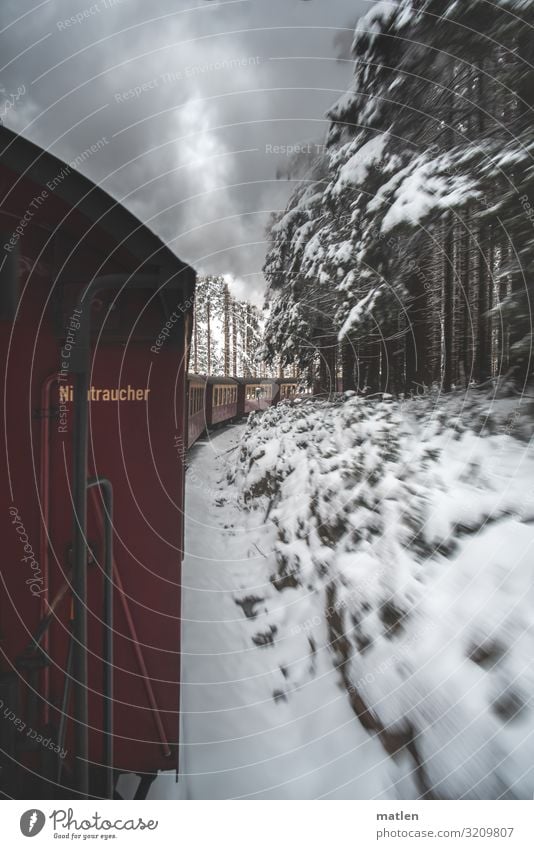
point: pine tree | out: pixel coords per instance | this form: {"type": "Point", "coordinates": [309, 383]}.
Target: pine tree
{"type": "Point", "coordinates": [411, 242]}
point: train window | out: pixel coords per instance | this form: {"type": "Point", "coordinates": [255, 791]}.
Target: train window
{"type": "Point", "coordinates": [195, 400]}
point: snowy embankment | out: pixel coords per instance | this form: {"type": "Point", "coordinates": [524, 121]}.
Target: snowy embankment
{"type": "Point", "coordinates": [241, 738]}
{"type": "Point", "coordinates": [399, 554]}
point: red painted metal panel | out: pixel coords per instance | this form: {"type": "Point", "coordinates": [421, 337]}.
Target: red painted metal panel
{"type": "Point", "coordinates": [137, 442]}
{"type": "Point", "coordinates": [224, 412]}
{"type": "Point", "coordinates": [196, 426]}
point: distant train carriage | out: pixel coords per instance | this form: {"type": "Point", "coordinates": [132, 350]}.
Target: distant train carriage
{"type": "Point", "coordinates": [289, 389]}
{"type": "Point", "coordinates": [221, 400]}
{"type": "Point", "coordinates": [259, 393]}
{"type": "Point", "coordinates": [196, 405]}
{"type": "Point", "coordinates": [263, 392]}
{"type": "Point", "coordinates": [95, 317]}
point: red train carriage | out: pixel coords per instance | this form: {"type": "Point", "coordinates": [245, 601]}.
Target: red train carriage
{"type": "Point", "coordinates": [94, 326]}
{"type": "Point", "coordinates": [196, 403]}
{"type": "Point", "coordinates": [259, 393]}
{"type": "Point", "coordinates": [288, 389]}
{"type": "Point", "coordinates": [221, 400]}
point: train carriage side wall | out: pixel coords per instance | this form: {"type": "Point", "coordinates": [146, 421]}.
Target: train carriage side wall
{"type": "Point", "coordinates": [137, 418]}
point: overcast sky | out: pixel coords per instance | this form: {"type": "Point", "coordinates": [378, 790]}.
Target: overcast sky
{"type": "Point", "coordinates": [188, 98]}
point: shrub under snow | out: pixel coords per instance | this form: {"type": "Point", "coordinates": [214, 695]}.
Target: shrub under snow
{"type": "Point", "coordinates": [409, 526]}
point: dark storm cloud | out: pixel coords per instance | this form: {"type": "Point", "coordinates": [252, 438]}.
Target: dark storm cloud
{"type": "Point", "coordinates": [193, 99]}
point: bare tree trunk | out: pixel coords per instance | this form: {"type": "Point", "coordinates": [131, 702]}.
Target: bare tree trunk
{"type": "Point", "coordinates": [466, 354]}
{"type": "Point", "coordinates": [483, 360]}
{"type": "Point", "coordinates": [248, 337]}
{"type": "Point", "coordinates": [448, 305]}
{"type": "Point", "coordinates": [348, 365]}
{"type": "Point", "coordinates": [327, 365]}
{"type": "Point", "coordinates": [369, 368]}
{"type": "Point", "coordinates": [226, 329]}
{"type": "Point", "coordinates": [195, 341]}
{"type": "Point", "coordinates": [483, 368]}
{"type": "Point", "coordinates": [208, 331]}
{"type": "Point", "coordinates": [234, 337]}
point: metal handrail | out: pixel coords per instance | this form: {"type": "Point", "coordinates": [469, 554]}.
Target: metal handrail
{"type": "Point", "coordinates": [107, 633]}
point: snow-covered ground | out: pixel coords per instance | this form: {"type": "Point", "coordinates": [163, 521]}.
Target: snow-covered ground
{"type": "Point", "coordinates": [358, 596]}
{"type": "Point", "coordinates": [240, 739]}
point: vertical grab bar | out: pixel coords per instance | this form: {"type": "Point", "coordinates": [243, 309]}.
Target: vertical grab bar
{"type": "Point", "coordinates": [107, 634]}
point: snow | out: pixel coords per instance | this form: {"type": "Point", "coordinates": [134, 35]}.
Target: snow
{"type": "Point", "coordinates": [243, 736]}
{"type": "Point", "coordinates": [414, 526]}
{"type": "Point", "coordinates": [375, 20]}
{"type": "Point", "coordinates": [357, 610]}
{"type": "Point", "coordinates": [358, 311]}
{"type": "Point", "coordinates": [420, 188]}
{"type": "Point", "coordinates": [355, 171]}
